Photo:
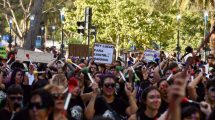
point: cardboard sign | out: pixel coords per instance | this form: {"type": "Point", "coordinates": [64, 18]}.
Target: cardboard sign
{"type": "Point", "coordinates": [78, 50]}
{"type": "Point", "coordinates": [39, 57]}
{"type": "Point", "coordinates": [3, 52]}
{"type": "Point", "coordinates": [103, 53]}
{"type": "Point", "coordinates": [150, 55]}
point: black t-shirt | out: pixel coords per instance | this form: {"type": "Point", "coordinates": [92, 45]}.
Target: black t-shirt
{"type": "Point", "coordinates": [27, 94]}
{"type": "Point", "coordinates": [143, 116]}
{"type": "Point", "coordinates": [76, 109]}
{"type": "Point", "coordinates": [118, 105]}
{"type": "Point", "coordinates": [88, 90]}
{"type": "Point", "coordinates": [200, 89]}
{"type": "Point", "coordinates": [163, 107]}
{"type": "Point", "coordinates": [4, 114]}
{"type": "Point", "coordinates": [22, 115]}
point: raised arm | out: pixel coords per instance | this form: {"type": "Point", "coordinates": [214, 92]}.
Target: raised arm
{"type": "Point", "coordinates": [132, 109]}
{"type": "Point", "coordinates": [157, 71]}
{"type": "Point", "coordinates": [192, 87]}
{"type": "Point", "coordinates": [90, 110]}
{"type": "Point", "coordinates": [51, 63]}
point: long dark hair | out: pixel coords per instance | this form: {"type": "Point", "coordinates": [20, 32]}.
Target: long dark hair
{"type": "Point", "coordinates": [142, 107]}
{"type": "Point", "coordinates": [13, 75]}
{"type": "Point", "coordinates": [47, 101]}
{"type": "Point", "coordinates": [189, 110]}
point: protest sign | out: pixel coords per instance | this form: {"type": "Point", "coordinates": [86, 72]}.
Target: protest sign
{"type": "Point", "coordinates": [103, 53]}
{"type": "Point", "coordinates": [78, 50]}
{"type": "Point", "coordinates": [3, 53]}
{"type": "Point", "coordinates": [39, 57]}
{"type": "Point", "coordinates": [150, 55]}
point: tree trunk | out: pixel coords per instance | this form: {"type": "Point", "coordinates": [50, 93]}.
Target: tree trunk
{"type": "Point", "coordinates": [212, 39]}
{"type": "Point", "coordinates": [29, 42]}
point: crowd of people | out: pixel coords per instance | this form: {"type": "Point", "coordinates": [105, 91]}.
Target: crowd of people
{"type": "Point", "coordinates": [74, 88]}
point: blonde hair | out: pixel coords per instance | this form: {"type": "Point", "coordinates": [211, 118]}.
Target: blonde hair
{"type": "Point", "coordinates": [59, 80]}
{"type": "Point", "coordinates": [50, 87]}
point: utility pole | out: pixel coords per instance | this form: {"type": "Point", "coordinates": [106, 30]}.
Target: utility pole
{"type": "Point", "coordinates": [62, 35]}
{"type": "Point", "coordinates": [88, 19]}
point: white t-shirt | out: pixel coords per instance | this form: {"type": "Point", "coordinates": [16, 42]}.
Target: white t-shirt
{"type": "Point", "coordinates": [30, 78]}
{"type": "Point", "coordinates": [187, 56]}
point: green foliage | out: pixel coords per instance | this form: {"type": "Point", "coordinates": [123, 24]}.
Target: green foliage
{"type": "Point", "coordinates": [140, 22]}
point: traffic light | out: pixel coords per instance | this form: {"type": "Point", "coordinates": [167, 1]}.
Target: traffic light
{"type": "Point", "coordinates": [80, 25]}
{"type": "Point", "coordinates": [93, 30]}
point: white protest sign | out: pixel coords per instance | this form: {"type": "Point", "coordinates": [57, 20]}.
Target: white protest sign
{"type": "Point", "coordinates": [39, 57]}
{"type": "Point", "coordinates": [150, 55]}
{"type": "Point", "coordinates": [103, 53]}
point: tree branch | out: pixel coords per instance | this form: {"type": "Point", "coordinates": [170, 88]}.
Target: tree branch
{"type": "Point", "coordinates": [16, 32]}
{"type": "Point", "coordinates": [58, 4]}
{"type": "Point", "coordinates": [47, 10]}
{"type": "Point", "coordinates": [15, 20]}
{"type": "Point", "coordinates": [21, 4]}
{"type": "Point", "coordinates": [30, 5]}
{"type": "Point", "coordinates": [66, 34]}
{"type": "Point", "coordinates": [1, 4]}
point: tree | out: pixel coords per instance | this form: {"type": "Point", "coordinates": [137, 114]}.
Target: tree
{"type": "Point", "coordinates": [140, 22]}
{"type": "Point", "coordinates": [199, 6]}
{"type": "Point", "coordinates": [20, 12]}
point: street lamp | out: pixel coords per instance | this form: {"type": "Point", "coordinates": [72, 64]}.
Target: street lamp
{"type": "Point", "coordinates": [10, 38]}
{"type": "Point", "coordinates": [53, 29]}
{"type": "Point", "coordinates": [32, 17]}
{"type": "Point", "coordinates": [42, 34]}
{"type": "Point", "coordinates": [86, 25]}
{"type": "Point", "coordinates": [178, 18]}
{"type": "Point", "coordinates": [205, 31]}
{"type": "Point", "coordinates": [62, 36]}
{"type": "Point", "coordinates": [88, 19]}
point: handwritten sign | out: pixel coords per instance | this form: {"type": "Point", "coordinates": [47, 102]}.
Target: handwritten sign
{"type": "Point", "coordinates": [39, 57]}
{"type": "Point", "coordinates": [103, 53]}
{"type": "Point", "coordinates": [3, 52]}
{"type": "Point", "coordinates": [150, 55]}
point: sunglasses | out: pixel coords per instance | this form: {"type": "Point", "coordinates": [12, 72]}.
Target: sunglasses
{"type": "Point", "coordinates": [110, 85]}
{"type": "Point", "coordinates": [36, 105]}
{"type": "Point", "coordinates": [13, 98]}
{"type": "Point", "coordinates": [211, 89]}
{"type": "Point", "coordinates": [58, 96]}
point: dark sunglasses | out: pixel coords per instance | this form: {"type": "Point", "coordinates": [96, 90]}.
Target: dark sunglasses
{"type": "Point", "coordinates": [210, 58]}
{"type": "Point", "coordinates": [108, 85]}
{"type": "Point", "coordinates": [36, 105]}
{"type": "Point", "coordinates": [58, 96]}
{"type": "Point", "coordinates": [212, 89]}
{"type": "Point", "coordinates": [13, 98]}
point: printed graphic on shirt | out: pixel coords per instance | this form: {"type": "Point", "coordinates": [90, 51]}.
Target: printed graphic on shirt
{"type": "Point", "coordinates": [108, 114]}
{"type": "Point", "coordinates": [2, 95]}
{"type": "Point", "coordinates": [77, 112]}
